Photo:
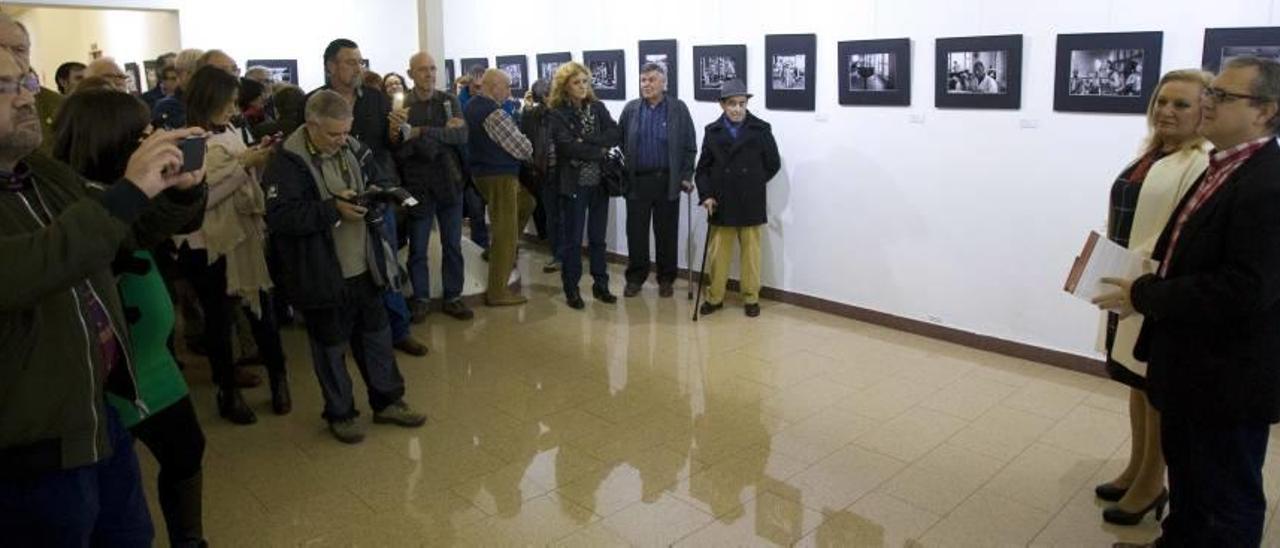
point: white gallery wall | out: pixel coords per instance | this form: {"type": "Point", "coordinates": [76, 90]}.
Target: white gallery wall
{"type": "Point", "coordinates": [967, 218]}
{"type": "Point", "coordinates": [387, 30]}
{"type": "Point", "coordinates": [59, 35]}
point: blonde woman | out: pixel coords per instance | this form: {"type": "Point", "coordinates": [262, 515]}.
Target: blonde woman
{"type": "Point", "coordinates": [1142, 199]}
{"type": "Point", "coordinates": [583, 131]}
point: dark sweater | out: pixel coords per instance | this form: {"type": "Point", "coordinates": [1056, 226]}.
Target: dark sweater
{"type": "Point", "coordinates": [487, 157]}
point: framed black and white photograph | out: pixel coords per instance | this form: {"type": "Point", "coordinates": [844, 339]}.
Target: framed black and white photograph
{"type": "Point", "coordinates": [548, 63]}
{"type": "Point", "coordinates": [282, 70]}
{"type": "Point", "coordinates": [791, 61]}
{"type": "Point", "coordinates": [982, 72]}
{"type": "Point", "coordinates": [664, 54]}
{"type": "Point", "coordinates": [517, 69]}
{"type": "Point", "coordinates": [1223, 44]}
{"type": "Point", "coordinates": [1106, 72]}
{"type": "Point", "coordinates": [134, 82]}
{"type": "Point", "coordinates": [470, 64]}
{"type": "Point", "coordinates": [608, 73]}
{"type": "Point", "coordinates": [714, 65]}
{"type": "Point", "coordinates": [149, 70]}
{"type": "Point", "coordinates": [875, 72]}
{"type": "Point", "coordinates": [451, 72]}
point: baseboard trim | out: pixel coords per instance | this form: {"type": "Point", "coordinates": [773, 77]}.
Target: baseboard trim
{"type": "Point", "coordinates": [1056, 358]}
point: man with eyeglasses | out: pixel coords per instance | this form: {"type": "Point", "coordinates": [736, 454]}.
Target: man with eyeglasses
{"type": "Point", "coordinates": [68, 473]}
{"type": "Point", "coordinates": [15, 38]}
{"type": "Point", "coordinates": [378, 128]}
{"type": "Point", "coordinates": [1211, 334]}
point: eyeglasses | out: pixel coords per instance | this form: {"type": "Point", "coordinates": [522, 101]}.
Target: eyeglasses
{"type": "Point", "coordinates": [29, 83]}
{"type": "Point", "coordinates": [1223, 96]}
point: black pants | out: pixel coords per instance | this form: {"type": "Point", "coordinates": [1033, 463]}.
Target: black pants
{"type": "Point", "coordinates": [648, 203]}
{"type": "Point", "coordinates": [210, 281]}
{"type": "Point", "coordinates": [1215, 481]}
{"type": "Point", "coordinates": [174, 437]}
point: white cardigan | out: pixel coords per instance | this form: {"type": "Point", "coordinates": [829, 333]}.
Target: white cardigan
{"type": "Point", "coordinates": [1162, 190]}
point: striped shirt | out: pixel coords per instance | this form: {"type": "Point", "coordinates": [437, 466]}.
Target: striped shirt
{"type": "Point", "coordinates": [1222, 164]}
{"type": "Point", "coordinates": [651, 147]}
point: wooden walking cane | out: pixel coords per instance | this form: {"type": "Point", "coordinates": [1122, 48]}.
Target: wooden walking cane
{"type": "Point", "coordinates": [688, 242]}
{"type": "Point", "coordinates": [705, 246]}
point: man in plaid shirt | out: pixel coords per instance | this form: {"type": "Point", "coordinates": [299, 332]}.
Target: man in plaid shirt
{"type": "Point", "coordinates": [497, 148]}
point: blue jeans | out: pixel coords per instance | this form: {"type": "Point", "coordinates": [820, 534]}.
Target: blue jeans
{"type": "Point", "coordinates": [397, 308]}
{"type": "Point", "coordinates": [1215, 481]}
{"type": "Point", "coordinates": [450, 218]}
{"type": "Point", "coordinates": [588, 209]}
{"type": "Point", "coordinates": [555, 218]}
{"type": "Point", "coordinates": [100, 504]}
{"type": "Point", "coordinates": [474, 205]}
{"type": "Point", "coordinates": [361, 323]}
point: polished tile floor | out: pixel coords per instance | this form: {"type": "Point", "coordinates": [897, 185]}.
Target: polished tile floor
{"type": "Point", "coordinates": [631, 425]}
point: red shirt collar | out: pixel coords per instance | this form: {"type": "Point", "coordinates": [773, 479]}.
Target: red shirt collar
{"type": "Point", "coordinates": [1219, 158]}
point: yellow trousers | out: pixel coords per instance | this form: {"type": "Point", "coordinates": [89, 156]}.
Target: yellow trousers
{"type": "Point", "coordinates": [509, 204]}
{"type": "Point", "coordinates": [720, 257]}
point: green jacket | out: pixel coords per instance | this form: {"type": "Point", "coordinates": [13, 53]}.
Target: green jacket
{"type": "Point", "coordinates": [52, 413]}
{"type": "Point", "coordinates": [150, 313]}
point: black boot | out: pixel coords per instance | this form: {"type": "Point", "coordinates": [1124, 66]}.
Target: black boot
{"type": "Point", "coordinates": [281, 401]}
{"type": "Point", "coordinates": [231, 406]}
{"type": "Point", "coordinates": [182, 504]}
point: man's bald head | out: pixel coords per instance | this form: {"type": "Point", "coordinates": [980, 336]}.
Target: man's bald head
{"type": "Point", "coordinates": [14, 37]}
{"type": "Point", "coordinates": [107, 69]}
{"type": "Point", "coordinates": [495, 84]}
{"type": "Point", "coordinates": [220, 59]}
{"type": "Point", "coordinates": [422, 70]}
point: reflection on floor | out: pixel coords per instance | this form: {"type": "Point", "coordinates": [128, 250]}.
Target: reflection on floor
{"type": "Point", "coordinates": [631, 425]}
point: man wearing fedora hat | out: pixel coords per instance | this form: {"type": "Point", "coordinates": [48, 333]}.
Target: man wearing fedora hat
{"type": "Point", "coordinates": [739, 157]}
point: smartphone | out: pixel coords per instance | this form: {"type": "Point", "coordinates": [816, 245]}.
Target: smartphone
{"type": "Point", "coordinates": [397, 100]}
{"type": "Point", "coordinates": [192, 153]}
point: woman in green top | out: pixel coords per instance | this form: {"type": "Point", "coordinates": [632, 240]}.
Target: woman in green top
{"type": "Point", "coordinates": [96, 131]}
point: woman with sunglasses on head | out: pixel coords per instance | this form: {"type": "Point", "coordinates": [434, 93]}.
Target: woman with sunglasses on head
{"type": "Point", "coordinates": [96, 131]}
{"type": "Point", "coordinates": [1142, 199]}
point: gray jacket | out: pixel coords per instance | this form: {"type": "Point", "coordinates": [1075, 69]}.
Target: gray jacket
{"type": "Point", "coordinates": [682, 143]}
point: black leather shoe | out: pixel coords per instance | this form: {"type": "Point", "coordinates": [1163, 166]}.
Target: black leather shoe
{"type": "Point", "coordinates": [575, 301]}
{"type": "Point", "coordinates": [411, 346]}
{"type": "Point", "coordinates": [1110, 493]}
{"type": "Point", "coordinates": [458, 310]}
{"type": "Point", "coordinates": [752, 309]}
{"type": "Point", "coordinates": [1116, 516]}
{"type": "Point", "coordinates": [631, 290]}
{"type": "Point", "coordinates": [281, 400]}
{"type": "Point", "coordinates": [708, 309]}
{"type": "Point", "coordinates": [603, 295]}
{"type": "Point", "coordinates": [666, 291]}
{"type": "Point", "coordinates": [231, 406]}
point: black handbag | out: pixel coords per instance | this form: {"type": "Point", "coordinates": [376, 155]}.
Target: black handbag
{"type": "Point", "coordinates": [613, 173]}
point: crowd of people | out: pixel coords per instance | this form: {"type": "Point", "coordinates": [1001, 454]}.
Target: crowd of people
{"type": "Point", "coordinates": [237, 204]}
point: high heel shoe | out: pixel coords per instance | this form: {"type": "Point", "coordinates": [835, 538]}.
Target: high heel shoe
{"type": "Point", "coordinates": [1116, 516]}
{"type": "Point", "coordinates": [1110, 493]}
{"type": "Point", "coordinates": [281, 401]}
{"type": "Point", "coordinates": [231, 406]}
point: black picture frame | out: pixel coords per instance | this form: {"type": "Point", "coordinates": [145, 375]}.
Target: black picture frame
{"type": "Point", "coordinates": [1263, 41]}
{"type": "Point", "coordinates": [467, 63]}
{"type": "Point", "coordinates": [517, 68]}
{"type": "Point", "coordinates": [282, 70]}
{"type": "Point", "coordinates": [134, 83]}
{"type": "Point", "coordinates": [715, 64]}
{"type": "Point", "coordinates": [884, 75]}
{"type": "Point", "coordinates": [608, 70]}
{"type": "Point", "coordinates": [549, 62]}
{"type": "Point", "coordinates": [1001, 50]}
{"type": "Point", "coordinates": [451, 72]}
{"type": "Point", "coordinates": [150, 73]}
{"type": "Point", "coordinates": [665, 53]}
{"type": "Point", "coordinates": [790, 61]}
{"type": "Point", "coordinates": [1111, 72]}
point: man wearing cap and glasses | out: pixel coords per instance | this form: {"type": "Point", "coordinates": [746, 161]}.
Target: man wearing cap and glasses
{"type": "Point", "coordinates": [739, 157]}
{"type": "Point", "coordinates": [1212, 309]}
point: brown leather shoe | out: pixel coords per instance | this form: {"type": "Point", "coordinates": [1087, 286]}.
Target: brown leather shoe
{"type": "Point", "coordinates": [666, 291]}
{"type": "Point", "coordinates": [411, 346]}
{"type": "Point", "coordinates": [506, 300]}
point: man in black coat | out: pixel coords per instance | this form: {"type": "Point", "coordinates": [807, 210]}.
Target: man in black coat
{"type": "Point", "coordinates": [739, 157]}
{"type": "Point", "coordinates": [1212, 318]}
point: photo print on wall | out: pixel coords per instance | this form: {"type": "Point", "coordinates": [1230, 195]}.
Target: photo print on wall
{"type": "Point", "coordinates": [282, 70]}
{"type": "Point", "coordinates": [875, 72]}
{"type": "Point", "coordinates": [1106, 72]}
{"type": "Point", "coordinates": [981, 72]}
{"type": "Point", "coordinates": [608, 73]}
{"type": "Point", "coordinates": [548, 63]}
{"type": "Point", "coordinates": [517, 69]}
{"type": "Point", "coordinates": [451, 72]}
{"type": "Point", "coordinates": [470, 64]}
{"type": "Point", "coordinates": [713, 65]}
{"type": "Point", "coordinates": [791, 61]}
{"type": "Point", "coordinates": [1223, 44]}
{"type": "Point", "coordinates": [134, 82]}
{"type": "Point", "coordinates": [662, 53]}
